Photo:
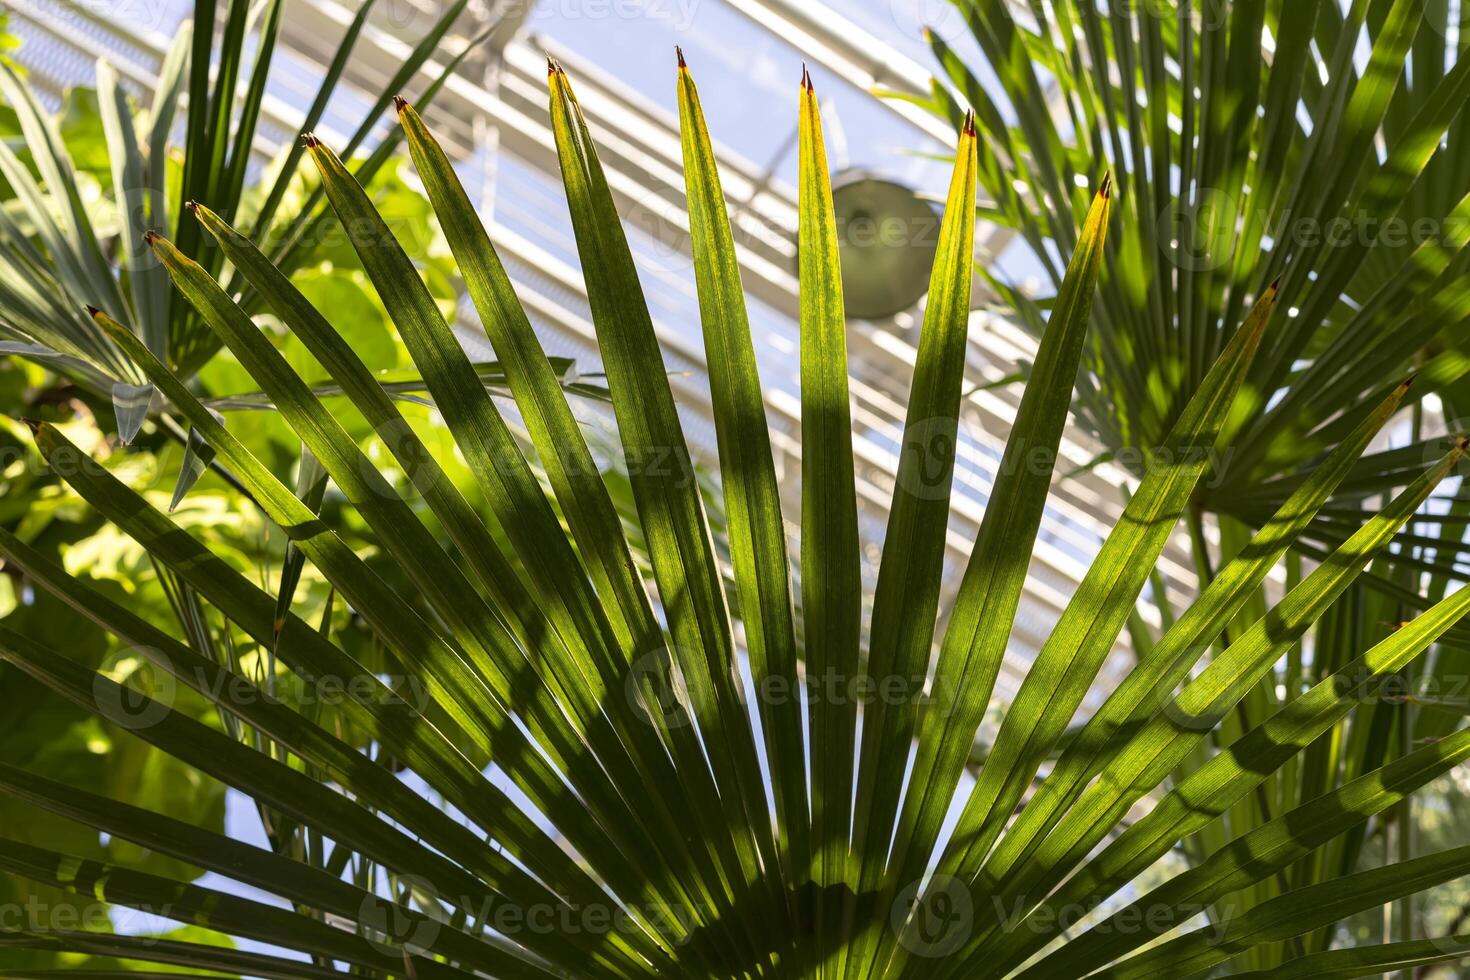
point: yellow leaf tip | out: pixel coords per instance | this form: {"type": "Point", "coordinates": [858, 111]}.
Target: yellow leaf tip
{"type": "Point", "coordinates": [32, 424]}
{"type": "Point", "coordinates": [399, 104]}
{"type": "Point", "coordinates": [1105, 189]}
{"type": "Point", "coordinates": [968, 129]}
{"type": "Point", "coordinates": [310, 141]}
{"type": "Point", "coordinates": [806, 78]}
{"type": "Point", "coordinates": [92, 311]}
{"type": "Point", "coordinates": [150, 237]}
{"type": "Point", "coordinates": [679, 55]}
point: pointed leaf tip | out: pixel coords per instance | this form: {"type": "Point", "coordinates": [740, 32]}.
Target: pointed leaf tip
{"type": "Point", "coordinates": [550, 67]}
{"type": "Point", "coordinates": [1275, 286]}
{"type": "Point", "coordinates": [150, 236]}
{"type": "Point", "coordinates": [679, 54]}
{"type": "Point", "coordinates": [93, 312]}
{"type": "Point", "coordinates": [310, 141]}
{"type": "Point", "coordinates": [400, 103]}
{"type": "Point", "coordinates": [32, 424]}
{"type": "Point", "coordinates": [193, 206]}
{"type": "Point", "coordinates": [806, 78]}
{"type": "Point", "coordinates": [1407, 383]}
{"type": "Point", "coordinates": [108, 324]}
{"type": "Point", "coordinates": [1105, 189]}
{"type": "Point", "coordinates": [968, 129]}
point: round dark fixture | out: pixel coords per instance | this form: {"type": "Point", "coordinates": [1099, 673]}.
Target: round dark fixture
{"type": "Point", "coordinates": [887, 236]}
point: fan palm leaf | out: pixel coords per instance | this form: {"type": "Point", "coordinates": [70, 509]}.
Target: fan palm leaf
{"type": "Point", "coordinates": [1318, 143]}
{"type": "Point", "coordinates": [55, 261]}
{"type": "Point", "coordinates": [607, 800]}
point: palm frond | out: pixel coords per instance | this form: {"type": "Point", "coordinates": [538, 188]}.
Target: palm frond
{"type": "Point", "coordinates": [1314, 143]}
{"type": "Point", "coordinates": [582, 786]}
